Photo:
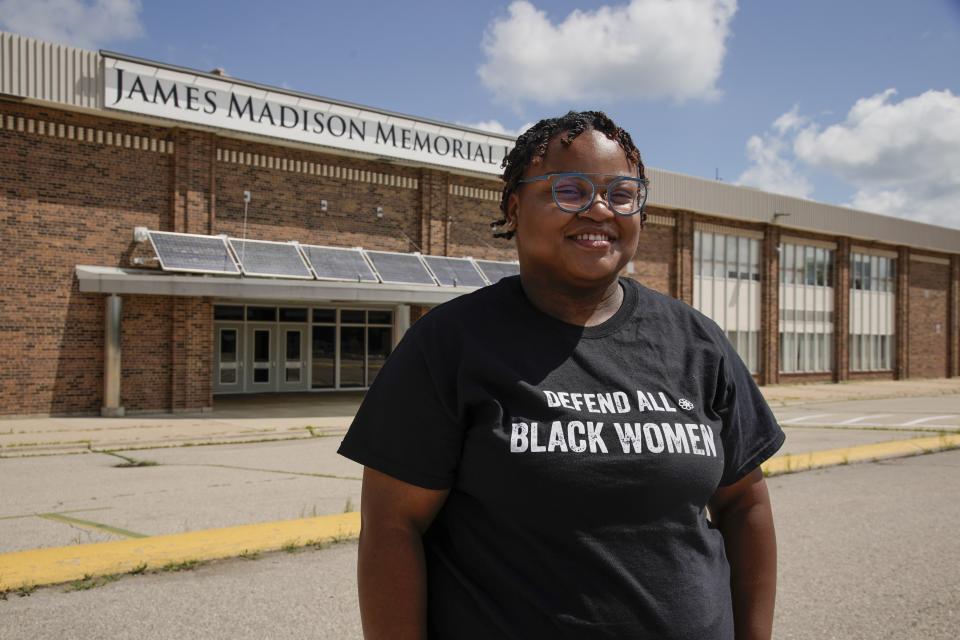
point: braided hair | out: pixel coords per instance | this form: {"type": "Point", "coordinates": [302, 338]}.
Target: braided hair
{"type": "Point", "coordinates": [533, 144]}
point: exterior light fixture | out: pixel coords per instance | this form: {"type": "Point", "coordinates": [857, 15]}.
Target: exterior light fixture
{"type": "Point", "coordinates": [379, 212]}
{"type": "Point", "coordinates": [323, 206]}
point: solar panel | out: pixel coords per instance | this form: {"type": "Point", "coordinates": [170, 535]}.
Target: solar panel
{"type": "Point", "coordinates": [193, 253]}
{"type": "Point", "coordinates": [454, 272]}
{"type": "Point", "coordinates": [495, 270]}
{"type": "Point", "coordinates": [334, 263]}
{"type": "Point", "coordinates": [272, 259]}
{"type": "Point", "coordinates": [400, 268]}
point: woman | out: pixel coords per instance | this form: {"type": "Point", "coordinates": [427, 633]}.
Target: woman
{"type": "Point", "coordinates": [539, 455]}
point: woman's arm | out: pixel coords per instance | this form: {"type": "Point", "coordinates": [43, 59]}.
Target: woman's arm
{"type": "Point", "coordinates": [743, 515]}
{"type": "Point", "coordinates": [391, 575]}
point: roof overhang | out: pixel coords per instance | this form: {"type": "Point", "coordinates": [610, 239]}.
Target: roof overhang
{"type": "Point", "coordinates": [110, 280]}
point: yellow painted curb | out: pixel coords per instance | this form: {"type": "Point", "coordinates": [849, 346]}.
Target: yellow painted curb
{"type": "Point", "coordinates": [862, 453]}
{"type": "Point", "coordinates": [64, 564]}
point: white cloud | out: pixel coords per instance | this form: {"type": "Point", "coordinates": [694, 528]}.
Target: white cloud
{"type": "Point", "coordinates": [903, 157]}
{"type": "Point", "coordinates": [771, 167]}
{"type": "Point", "coordinates": [89, 24]}
{"type": "Point", "coordinates": [494, 126]}
{"type": "Point", "coordinates": [899, 158]}
{"type": "Point", "coordinates": [643, 49]}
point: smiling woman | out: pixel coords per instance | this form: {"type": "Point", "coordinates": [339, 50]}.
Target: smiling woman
{"type": "Point", "coordinates": [499, 501]}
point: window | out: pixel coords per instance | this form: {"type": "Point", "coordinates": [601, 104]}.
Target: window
{"type": "Point", "coordinates": [806, 308]}
{"type": "Point", "coordinates": [727, 289]}
{"type": "Point", "coordinates": [872, 308]}
{"type": "Point", "coordinates": [228, 312]}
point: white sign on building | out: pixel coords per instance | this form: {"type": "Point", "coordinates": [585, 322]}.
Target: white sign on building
{"type": "Point", "coordinates": [222, 102]}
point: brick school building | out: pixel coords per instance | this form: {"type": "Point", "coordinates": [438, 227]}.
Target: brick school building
{"type": "Point", "coordinates": [170, 235]}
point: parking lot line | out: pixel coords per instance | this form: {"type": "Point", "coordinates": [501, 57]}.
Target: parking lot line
{"type": "Point", "coordinates": [927, 419]}
{"type": "Point", "coordinates": [805, 418]}
{"type": "Point", "coordinates": [862, 418]}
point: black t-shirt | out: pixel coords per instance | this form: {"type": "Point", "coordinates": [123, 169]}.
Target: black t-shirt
{"type": "Point", "coordinates": [579, 462]}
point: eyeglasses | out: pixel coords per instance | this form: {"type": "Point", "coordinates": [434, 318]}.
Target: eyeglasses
{"type": "Point", "coordinates": [574, 192]}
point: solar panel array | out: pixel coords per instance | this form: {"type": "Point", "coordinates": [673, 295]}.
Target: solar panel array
{"type": "Point", "coordinates": [193, 253]}
{"type": "Point", "coordinates": [455, 272]}
{"type": "Point", "coordinates": [334, 263]}
{"type": "Point", "coordinates": [495, 271]}
{"type": "Point", "coordinates": [274, 259]}
{"type": "Point", "coordinates": [233, 256]}
{"type": "Point", "coordinates": [400, 268]}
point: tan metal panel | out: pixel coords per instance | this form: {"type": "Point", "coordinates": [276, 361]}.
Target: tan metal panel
{"type": "Point", "coordinates": [671, 190]}
{"type": "Point", "coordinates": [31, 68]}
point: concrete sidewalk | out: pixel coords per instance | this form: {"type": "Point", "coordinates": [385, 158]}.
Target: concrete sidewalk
{"type": "Point", "coordinates": [257, 418]}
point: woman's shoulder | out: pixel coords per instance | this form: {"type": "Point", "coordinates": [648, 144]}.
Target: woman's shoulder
{"type": "Point", "coordinates": [478, 308]}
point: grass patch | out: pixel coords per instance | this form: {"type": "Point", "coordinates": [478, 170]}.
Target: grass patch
{"type": "Point", "coordinates": [25, 590]}
{"type": "Point", "coordinates": [184, 565]}
{"type": "Point", "coordinates": [88, 582]}
{"type": "Point", "coordinates": [128, 462]}
{"type": "Point", "coordinates": [291, 546]}
{"type": "Point", "coordinates": [311, 514]}
{"type": "Point", "coordinates": [138, 570]}
{"type": "Point", "coordinates": [246, 554]}
{"type": "Point", "coordinates": [348, 506]}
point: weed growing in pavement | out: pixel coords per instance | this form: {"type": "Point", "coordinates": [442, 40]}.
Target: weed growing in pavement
{"type": "Point", "coordinates": [140, 569]}
{"type": "Point", "coordinates": [313, 434]}
{"type": "Point", "coordinates": [26, 590]}
{"type": "Point", "coordinates": [129, 462]}
{"type": "Point", "coordinates": [3, 595]}
{"type": "Point", "coordinates": [89, 582]}
{"type": "Point", "coordinates": [313, 512]}
{"type": "Point", "coordinates": [348, 506]}
{"type": "Point", "coordinates": [246, 554]}
{"type": "Point", "coordinates": [185, 565]}
{"type": "Point", "coordinates": [291, 546]}
{"type": "Point", "coordinates": [317, 544]}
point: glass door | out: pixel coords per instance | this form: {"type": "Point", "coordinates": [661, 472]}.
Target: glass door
{"type": "Point", "coordinates": [228, 359]}
{"type": "Point", "coordinates": [293, 373]}
{"type": "Point", "coordinates": [261, 367]}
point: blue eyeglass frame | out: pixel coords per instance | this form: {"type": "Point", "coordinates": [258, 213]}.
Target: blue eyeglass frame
{"type": "Point", "coordinates": [641, 183]}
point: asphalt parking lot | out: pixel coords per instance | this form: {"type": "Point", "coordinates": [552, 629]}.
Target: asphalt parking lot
{"type": "Point", "coordinates": [866, 551]}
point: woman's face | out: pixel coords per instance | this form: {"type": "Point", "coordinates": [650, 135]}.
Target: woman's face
{"type": "Point", "coordinates": [582, 250]}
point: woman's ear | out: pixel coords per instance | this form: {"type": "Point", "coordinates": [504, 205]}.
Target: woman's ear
{"type": "Point", "coordinates": [512, 213]}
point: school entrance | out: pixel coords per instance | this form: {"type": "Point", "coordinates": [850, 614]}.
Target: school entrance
{"type": "Point", "coordinates": [278, 348]}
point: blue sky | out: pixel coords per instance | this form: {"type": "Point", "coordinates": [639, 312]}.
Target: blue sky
{"type": "Point", "coordinates": [840, 101]}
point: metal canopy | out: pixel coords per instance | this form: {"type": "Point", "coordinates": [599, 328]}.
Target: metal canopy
{"type": "Point", "coordinates": [271, 259]}
{"type": "Point", "coordinates": [193, 253]}
{"type": "Point", "coordinates": [96, 279]}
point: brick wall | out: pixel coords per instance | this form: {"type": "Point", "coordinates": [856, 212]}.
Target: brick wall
{"type": "Point", "coordinates": [929, 329]}
{"type": "Point", "coordinates": [286, 204]}
{"type": "Point", "coordinates": [654, 265]}
{"type": "Point", "coordinates": [74, 186]}
{"type": "Point", "coordinates": [72, 189]}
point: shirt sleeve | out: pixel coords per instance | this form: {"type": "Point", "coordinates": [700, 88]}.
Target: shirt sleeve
{"type": "Point", "coordinates": [750, 433]}
{"type": "Point", "coordinates": [403, 427]}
